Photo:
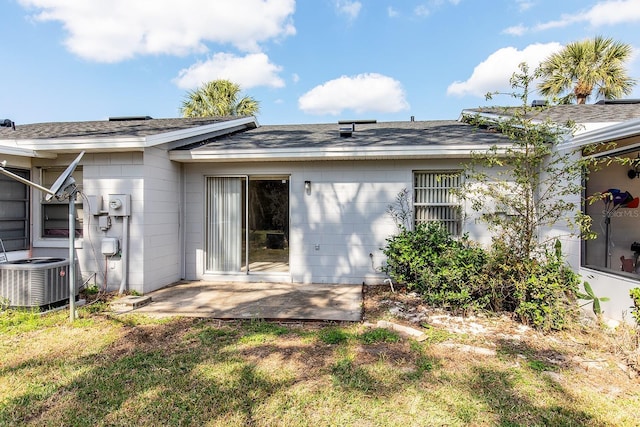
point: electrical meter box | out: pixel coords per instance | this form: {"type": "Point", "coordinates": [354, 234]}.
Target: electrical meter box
{"type": "Point", "coordinates": [110, 246]}
{"type": "Point", "coordinates": [119, 204]}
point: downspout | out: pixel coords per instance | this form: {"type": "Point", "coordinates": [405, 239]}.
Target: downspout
{"type": "Point", "coordinates": [124, 254]}
{"type": "Point", "coordinates": [182, 222]}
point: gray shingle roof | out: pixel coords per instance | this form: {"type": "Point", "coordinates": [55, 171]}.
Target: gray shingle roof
{"type": "Point", "coordinates": [585, 113]}
{"type": "Point", "coordinates": [104, 128]}
{"type": "Point", "coordinates": [591, 113]}
{"type": "Point", "coordinates": [383, 134]}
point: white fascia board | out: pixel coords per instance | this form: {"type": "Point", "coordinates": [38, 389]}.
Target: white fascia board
{"type": "Point", "coordinates": [215, 128]}
{"type": "Point", "coordinates": [590, 127]}
{"type": "Point", "coordinates": [609, 133]}
{"type": "Point", "coordinates": [333, 153]}
{"type": "Point", "coordinates": [86, 144]}
{"type": "Point", "coordinates": [13, 150]}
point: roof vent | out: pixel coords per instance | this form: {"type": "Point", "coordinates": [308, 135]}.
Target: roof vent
{"type": "Point", "coordinates": [618, 101]}
{"type": "Point", "coordinates": [129, 118]}
{"type": "Point", "coordinates": [357, 122]}
{"type": "Point", "coordinates": [7, 123]}
{"type": "Point", "coordinates": [347, 132]}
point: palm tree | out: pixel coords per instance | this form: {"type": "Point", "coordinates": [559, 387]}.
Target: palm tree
{"type": "Point", "coordinates": [218, 98]}
{"type": "Point", "coordinates": [586, 65]}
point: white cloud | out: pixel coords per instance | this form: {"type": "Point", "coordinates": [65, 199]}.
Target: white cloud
{"type": "Point", "coordinates": [426, 8]}
{"type": "Point", "coordinates": [603, 13]}
{"type": "Point", "coordinates": [493, 74]}
{"type": "Point", "coordinates": [421, 10]}
{"type": "Point", "coordinates": [516, 30]}
{"type": "Point", "coordinates": [564, 21]}
{"type": "Point", "coordinates": [295, 77]}
{"type": "Point", "coordinates": [248, 71]}
{"type": "Point", "coordinates": [524, 5]}
{"type": "Point", "coordinates": [115, 30]}
{"type": "Point", "coordinates": [349, 8]}
{"type": "Point", "coordinates": [613, 12]}
{"type": "Point", "coordinates": [392, 12]}
{"type": "Point", "coordinates": [362, 93]}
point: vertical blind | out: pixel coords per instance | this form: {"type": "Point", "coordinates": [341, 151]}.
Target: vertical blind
{"type": "Point", "coordinates": [435, 199]}
{"type": "Point", "coordinates": [14, 211]}
{"type": "Point", "coordinates": [224, 224]}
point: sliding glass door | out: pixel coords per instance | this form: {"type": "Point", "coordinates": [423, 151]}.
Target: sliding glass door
{"type": "Point", "coordinates": [247, 224]}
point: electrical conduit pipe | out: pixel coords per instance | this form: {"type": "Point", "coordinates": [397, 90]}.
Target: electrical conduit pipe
{"type": "Point", "coordinates": [124, 254]}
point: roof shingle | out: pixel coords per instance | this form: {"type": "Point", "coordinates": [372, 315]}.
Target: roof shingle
{"type": "Point", "coordinates": [105, 128]}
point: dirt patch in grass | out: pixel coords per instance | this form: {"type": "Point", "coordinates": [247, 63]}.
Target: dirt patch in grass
{"type": "Point", "coordinates": [606, 355]}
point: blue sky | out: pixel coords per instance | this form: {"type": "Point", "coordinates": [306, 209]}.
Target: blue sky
{"type": "Point", "coordinates": [307, 61]}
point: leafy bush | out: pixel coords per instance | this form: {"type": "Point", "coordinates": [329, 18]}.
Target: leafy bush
{"type": "Point", "coordinates": [635, 310]}
{"type": "Point", "coordinates": [591, 297]}
{"type": "Point", "coordinates": [453, 274]}
{"type": "Point", "coordinates": [542, 293]}
{"type": "Point", "coordinates": [443, 269]}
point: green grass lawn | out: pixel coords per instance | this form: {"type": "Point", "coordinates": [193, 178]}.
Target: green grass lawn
{"type": "Point", "coordinates": [114, 370]}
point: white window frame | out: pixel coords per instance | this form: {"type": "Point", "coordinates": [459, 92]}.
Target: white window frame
{"type": "Point", "coordinates": [433, 193]}
{"type": "Point", "coordinates": [25, 173]}
{"type": "Point", "coordinates": [39, 240]}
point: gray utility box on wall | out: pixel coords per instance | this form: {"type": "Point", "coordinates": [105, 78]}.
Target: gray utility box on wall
{"type": "Point", "coordinates": [119, 204]}
{"type": "Point", "coordinates": [34, 282]}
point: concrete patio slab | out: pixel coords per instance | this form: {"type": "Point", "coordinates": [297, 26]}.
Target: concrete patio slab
{"type": "Point", "coordinates": [277, 301]}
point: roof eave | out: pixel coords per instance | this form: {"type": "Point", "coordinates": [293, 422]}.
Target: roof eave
{"type": "Point", "coordinates": [615, 132]}
{"type": "Point", "coordinates": [124, 144]}
{"type": "Point", "coordinates": [24, 152]}
{"type": "Point", "coordinates": [184, 137]}
{"type": "Point", "coordinates": [87, 144]}
{"type": "Point", "coordinates": [335, 153]}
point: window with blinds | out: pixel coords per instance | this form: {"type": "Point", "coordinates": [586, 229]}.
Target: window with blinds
{"type": "Point", "coordinates": [434, 199]}
{"type": "Point", "coordinates": [14, 211]}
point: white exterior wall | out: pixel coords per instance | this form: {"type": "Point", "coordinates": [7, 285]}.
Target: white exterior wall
{"type": "Point", "coordinates": [561, 230]}
{"type": "Point", "coordinates": [153, 183]}
{"type": "Point", "coordinates": [105, 174]}
{"type": "Point", "coordinates": [334, 229]}
{"type": "Point", "coordinates": [338, 229]}
{"type": "Point", "coordinates": [161, 220]}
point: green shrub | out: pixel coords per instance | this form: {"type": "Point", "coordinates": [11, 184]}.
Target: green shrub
{"type": "Point", "coordinates": [454, 274]}
{"type": "Point", "coordinates": [542, 293]}
{"type": "Point", "coordinates": [635, 310]}
{"type": "Point", "coordinates": [442, 269]}
{"type": "Point", "coordinates": [547, 298]}
{"type": "Point", "coordinates": [91, 289]}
